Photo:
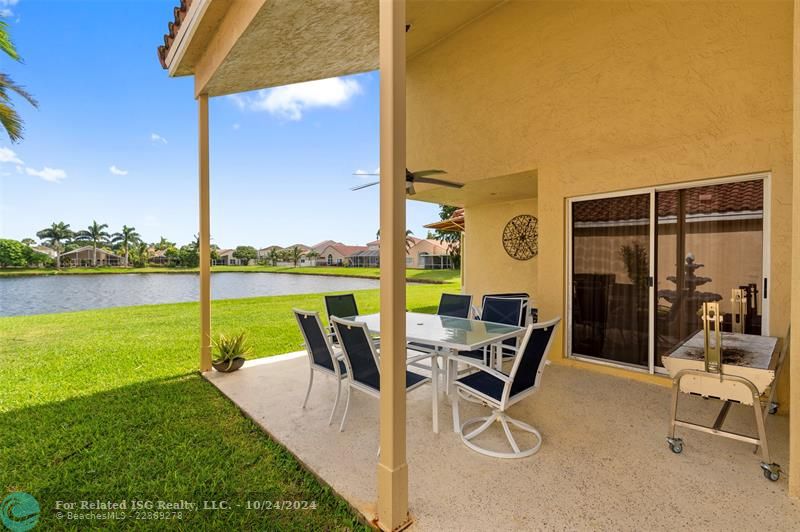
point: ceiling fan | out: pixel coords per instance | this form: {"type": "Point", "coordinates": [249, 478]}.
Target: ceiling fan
{"type": "Point", "coordinates": [420, 176]}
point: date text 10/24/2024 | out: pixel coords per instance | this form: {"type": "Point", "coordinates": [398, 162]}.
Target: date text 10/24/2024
{"type": "Point", "coordinates": [184, 505]}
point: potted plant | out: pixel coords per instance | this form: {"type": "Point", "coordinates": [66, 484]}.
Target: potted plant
{"type": "Point", "coordinates": [231, 352]}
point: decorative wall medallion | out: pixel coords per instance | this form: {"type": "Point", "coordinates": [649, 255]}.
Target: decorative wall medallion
{"type": "Point", "coordinates": [521, 237]}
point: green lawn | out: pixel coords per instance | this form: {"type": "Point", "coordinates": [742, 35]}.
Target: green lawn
{"type": "Point", "coordinates": [417, 275]}
{"type": "Point", "coordinates": [108, 405]}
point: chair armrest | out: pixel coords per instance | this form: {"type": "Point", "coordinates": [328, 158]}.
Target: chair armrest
{"type": "Point", "coordinates": [476, 313]}
{"type": "Point", "coordinates": [482, 367]}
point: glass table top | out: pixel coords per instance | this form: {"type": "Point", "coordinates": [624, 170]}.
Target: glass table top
{"type": "Point", "coordinates": [443, 331]}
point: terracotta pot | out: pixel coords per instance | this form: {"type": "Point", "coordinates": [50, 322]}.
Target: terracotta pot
{"type": "Point", "coordinates": [229, 365]}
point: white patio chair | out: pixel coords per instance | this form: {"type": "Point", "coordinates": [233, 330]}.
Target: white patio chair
{"type": "Point", "coordinates": [322, 356]}
{"type": "Point", "coordinates": [362, 360]}
{"type": "Point", "coordinates": [499, 391]}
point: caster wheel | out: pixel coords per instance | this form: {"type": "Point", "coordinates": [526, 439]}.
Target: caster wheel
{"type": "Point", "coordinates": [675, 445]}
{"type": "Point", "coordinates": [772, 472]}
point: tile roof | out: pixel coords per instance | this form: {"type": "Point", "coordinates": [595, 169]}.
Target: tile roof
{"type": "Point", "coordinates": [454, 223]}
{"type": "Point", "coordinates": [726, 198]}
{"type": "Point", "coordinates": [178, 16]}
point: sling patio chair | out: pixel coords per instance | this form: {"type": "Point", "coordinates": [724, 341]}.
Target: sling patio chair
{"type": "Point", "coordinates": [505, 310]}
{"type": "Point", "coordinates": [450, 305]}
{"type": "Point", "coordinates": [499, 391]}
{"type": "Point", "coordinates": [342, 306]}
{"type": "Point", "coordinates": [362, 360]}
{"type": "Point", "coordinates": [322, 356]}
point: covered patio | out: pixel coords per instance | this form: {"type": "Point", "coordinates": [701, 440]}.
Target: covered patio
{"type": "Point", "coordinates": [595, 471]}
{"type": "Point", "coordinates": [536, 106]}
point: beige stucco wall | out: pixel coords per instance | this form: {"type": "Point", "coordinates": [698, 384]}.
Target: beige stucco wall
{"type": "Point", "coordinates": [794, 429]}
{"type": "Point", "coordinates": [487, 266]}
{"type": "Point", "coordinates": [601, 96]}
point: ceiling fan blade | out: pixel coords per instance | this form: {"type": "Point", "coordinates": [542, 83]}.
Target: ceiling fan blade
{"type": "Point", "coordinates": [423, 173]}
{"type": "Point", "coordinates": [359, 187]}
{"type": "Point", "coordinates": [434, 181]}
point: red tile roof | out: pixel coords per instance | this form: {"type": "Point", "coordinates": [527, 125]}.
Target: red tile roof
{"type": "Point", "coordinates": [178, 16]}
{"type": "Point", "coordinates": [745, 196]}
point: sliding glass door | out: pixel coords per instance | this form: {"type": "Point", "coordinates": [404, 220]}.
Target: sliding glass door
{"type": "Point", "coordinates": [610, 279]}
{"type": "Point", "coordinates": [642, 264]}
{"type": "Point", "coordinates": [709, 243]}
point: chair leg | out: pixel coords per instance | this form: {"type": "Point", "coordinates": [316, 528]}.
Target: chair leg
{"type": "Point", "coordinates": [456, 415]}
{"type": "Point", "coordinates": [346, 408]}
{"type": "Point", "coordinates": [504, 420]}
{"type": "Point", "coordinates": [336, 401]}
{"type": "Point", "coordinates": [310, 382]}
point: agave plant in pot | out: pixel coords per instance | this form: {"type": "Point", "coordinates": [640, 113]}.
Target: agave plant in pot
{"type": "Point", "coordinates": [231, 352]}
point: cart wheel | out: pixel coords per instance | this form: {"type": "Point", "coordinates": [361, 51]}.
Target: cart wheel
{"type": "Point", "coordinates": [676, 445]}
{"type": "Point", "coordinates": [771, 471]}
{"type": "Point", "coordinates": [773, 408]}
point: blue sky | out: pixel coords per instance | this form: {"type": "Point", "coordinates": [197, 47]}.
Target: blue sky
{"type": "Point", "coordinates": [114, 139]}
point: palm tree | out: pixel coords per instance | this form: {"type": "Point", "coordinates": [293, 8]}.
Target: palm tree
{"type": "Point", "coordinates": [95, 234]}
{"type": "Point", "coordinates": [312, 255]}
{"type": "Point", "coordinates": [125, 238]}
{"type": "Point", "coordinates": [294, 255]}
{"type": "Point", "coordinates": [9, 118]}
{"type": "Point", "coordinates": [163, 244]}
{"type": "Point", "coordinates": [409, 238]}
{"type": "Point", "coordinates": [273, 256]}
{"type": "Point", "coordinates": [56, 236]}
{"type": "Point", "coordinates": [142, 251]}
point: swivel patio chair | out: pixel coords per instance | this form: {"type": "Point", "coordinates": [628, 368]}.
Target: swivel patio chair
{"type": "Point", "coordinates": [499, 391]}
{"type": "Point", "coordinates": [362, 360]}
{"type": "Point", "coordinates": [322, 355]}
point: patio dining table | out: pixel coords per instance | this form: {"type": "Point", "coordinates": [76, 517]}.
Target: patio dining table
{"type": "Point", "coordinates": [448, 336]}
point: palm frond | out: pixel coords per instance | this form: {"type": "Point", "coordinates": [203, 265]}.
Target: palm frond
{"type": "Point", "coordinates": [6, 44]}
{"type": "Point", "coordinates": [7, 83]}
{"type": "Point", "coordinates": [11, 122]}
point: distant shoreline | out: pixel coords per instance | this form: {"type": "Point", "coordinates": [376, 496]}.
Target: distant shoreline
{"type": "Point", "coordinates": [412, 275]}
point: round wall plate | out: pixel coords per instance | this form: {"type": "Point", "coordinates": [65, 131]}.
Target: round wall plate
{"type": "Point", "coordinates": [521, 237]}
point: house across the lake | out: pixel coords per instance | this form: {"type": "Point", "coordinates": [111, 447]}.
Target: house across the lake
{"type": "Point", "coordinates": [424, 253]}
{"type": "Point", "coordinates": [225, 258]}
{"type": "Point", "coordinates": [84, 256]}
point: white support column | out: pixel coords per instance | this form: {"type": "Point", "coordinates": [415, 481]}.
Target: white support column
{"type": "Point", "coordinates": [794, 355]}
{"type": "Point", "coordinates": [205, 235]}
{"type": "Point", "coordinates": [392, 467]}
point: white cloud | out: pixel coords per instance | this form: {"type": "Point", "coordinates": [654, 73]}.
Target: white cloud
{"type": "Point", "coordinates": [236, 126]}
{"type": "Point", "coordinates": [155, 137]}
{"type": "Point", "coordinates": [291, 101]}
{"type": "Point", "coordinates": [7, 155]}
{"type": "Point", "coordinates": [5, 8]}
{"type": "Point", "coordinates": [117, 171]}
{"type": "Point", "coordinates": [53, 175]}
{"type": "Point", "coordinates": [365, 173]}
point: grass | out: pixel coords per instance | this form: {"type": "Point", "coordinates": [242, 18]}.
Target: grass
{"type": "Point", "coordinates": [412, 274]}
{"type": "Point", "coordinates": [107, 405]}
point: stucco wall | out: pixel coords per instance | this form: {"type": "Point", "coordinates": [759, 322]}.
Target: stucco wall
{"type": "Point", "coordinates": [601, 96]}
{"type": "Point", "coordinates": [487, 266]}
{"type": "Point", "coordinates": [794, 429]}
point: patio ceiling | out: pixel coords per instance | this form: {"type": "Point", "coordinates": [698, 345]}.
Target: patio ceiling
{"type": "Point", "coordinates": [522, 185]}
{"type": "Point", "coordinates": [267, 43]}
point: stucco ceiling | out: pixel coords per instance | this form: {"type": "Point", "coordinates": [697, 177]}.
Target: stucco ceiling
{"type": "Point", "coordinates": [289, 41]}
{"type": "Point", "coordinates": [522, 185]}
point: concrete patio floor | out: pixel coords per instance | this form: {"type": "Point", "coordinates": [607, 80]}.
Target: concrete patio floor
{"type": "Point", "coordinates": [604, 464]}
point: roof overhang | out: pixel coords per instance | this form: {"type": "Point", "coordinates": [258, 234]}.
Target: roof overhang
{"type": "Point", "coordinates": [235, 46]}
{"type": "Point", "coordinates": [518, 186]}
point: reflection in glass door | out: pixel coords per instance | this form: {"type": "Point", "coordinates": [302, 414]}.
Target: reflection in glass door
{"type": "Point", "coordinates": [611, 279]}
{"type": "Point", "coordinates": [709, 242]}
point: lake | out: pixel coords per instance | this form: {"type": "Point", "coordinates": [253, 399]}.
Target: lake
{"type": "Point", "coordinates": [47, 294]}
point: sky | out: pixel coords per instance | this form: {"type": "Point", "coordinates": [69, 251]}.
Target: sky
{"type": "Point", "coordinates": [115, 139]}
